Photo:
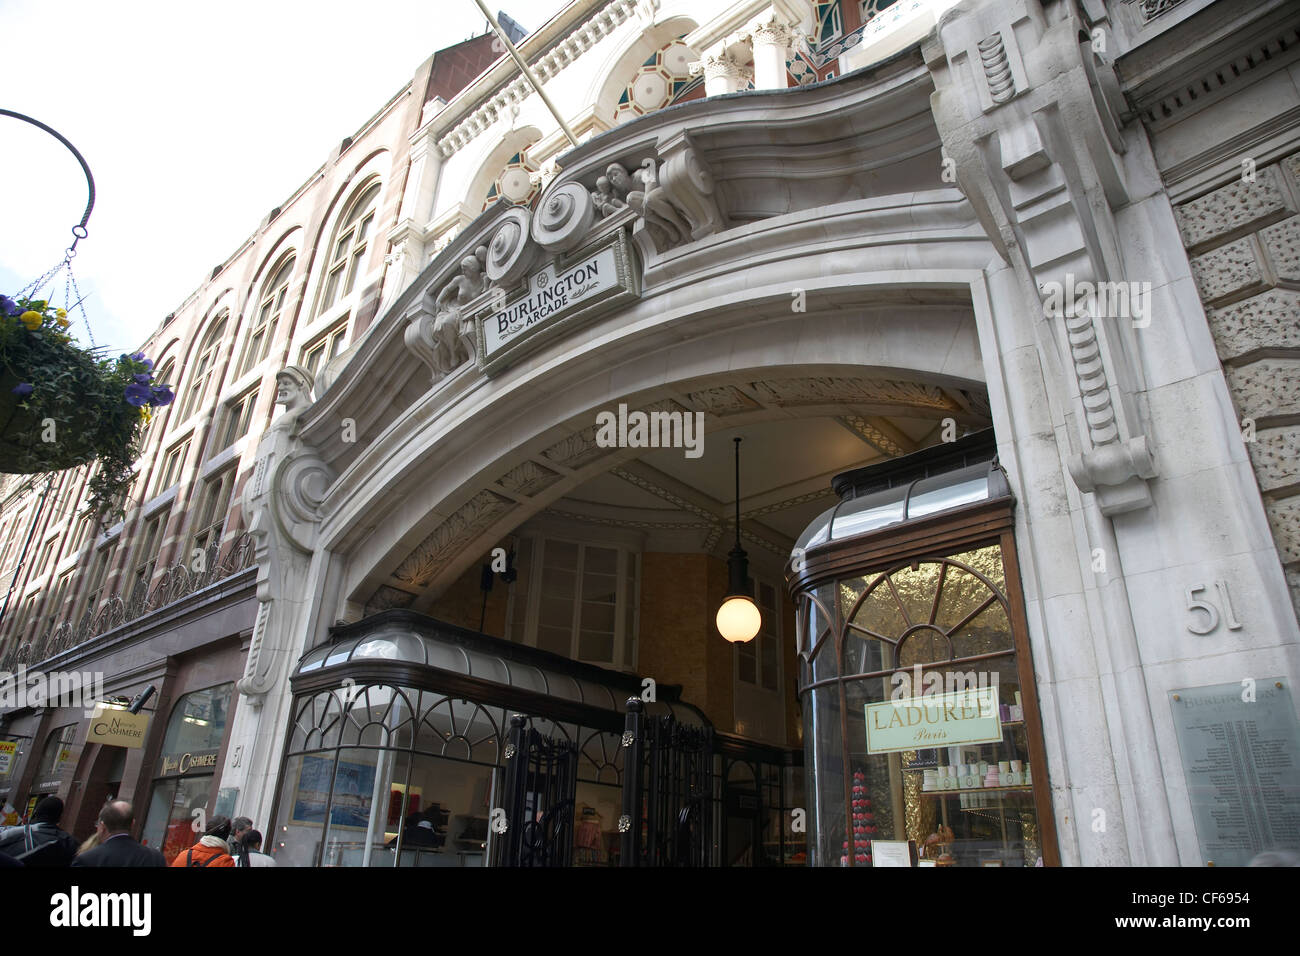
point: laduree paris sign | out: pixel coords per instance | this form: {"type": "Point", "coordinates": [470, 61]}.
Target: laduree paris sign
{"type": "Point", "coordinates": [934, 720]}
{"type": "Point", "coordinates": [558, 298]}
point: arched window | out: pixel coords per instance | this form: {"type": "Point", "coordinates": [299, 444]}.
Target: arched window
{"type": "Point", "coordinates": [274, 292]}
{"type": "Point", "coordinates": [202, 369]}
{"type": "Point", "coordinates": [348, 249]}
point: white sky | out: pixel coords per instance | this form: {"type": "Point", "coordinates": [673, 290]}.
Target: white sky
{"type": "Point", "coordinates": [196, 120]}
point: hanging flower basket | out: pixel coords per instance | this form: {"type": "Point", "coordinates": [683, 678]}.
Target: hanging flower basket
{"type": "Point", "coordinates": [62, 406]}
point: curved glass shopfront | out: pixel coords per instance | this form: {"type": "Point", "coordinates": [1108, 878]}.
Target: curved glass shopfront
{"type": "Point", "coordinates": [400, 734]}
{"type": "Point", "coordinates": [921, 729]}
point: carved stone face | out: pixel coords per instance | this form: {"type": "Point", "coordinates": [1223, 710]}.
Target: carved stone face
{"type": "Point", "coordinates": [290, 393]}
{"type": "Point", "coordinates": [618, 177]}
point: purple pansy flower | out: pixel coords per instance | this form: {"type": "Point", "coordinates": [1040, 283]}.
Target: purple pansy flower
{"type": "Point", "coordinates": [23, 389]}
{"type": "Point", "coordinates": [142, 378]}
{"type": "Point", "coordinates": [139, 357]}
{"type": "Point", "coordinates": [138, 395]}
{"type": "Point", "coordinates": [9, 307]}
{"type": "Point", "coordinates": [162, 395]}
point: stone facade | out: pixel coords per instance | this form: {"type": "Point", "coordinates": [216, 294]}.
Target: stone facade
{"type": "Point", "coordinates": [872, 260]}
{"type": "Point", "coordinates": [1244, 239]}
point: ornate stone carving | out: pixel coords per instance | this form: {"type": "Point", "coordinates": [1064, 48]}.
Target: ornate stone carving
{"type": "Point", "coordinates": [576, 450]}
{"type": "Point", "coordinates": [850, 391]}
{"type": "Point", "coordinates": [997, 71]}
{"type": "Point", "coordinates": [641, 191]}
{"type": "Point", "coordinates": [1265, 321]}
{"type": "Point", "coordinates": [564, 217]}
{"type": "Point", "coordinates": [723, 73]}
{"type": "Point", "coordinates": [1037, 150]}
{"type": "Point", "coordinates": [873, 435]}
{"type": "Point", "coordinates": [281, 501]}
{"type": "Point", "coordinates": [511, 252]}
{"type": "Point", "coordinates": [441, 546]}
{"type": "Point", "coordinates": [1228, 272]}
{"type": "Point", "coordinates": [721, 401]}
{"type": "Point", "coordinates": [686, 180]}
{"type": "Point", "coordinates": [527, 478]}
{"type": "Point", "coordinates": [605, 199]}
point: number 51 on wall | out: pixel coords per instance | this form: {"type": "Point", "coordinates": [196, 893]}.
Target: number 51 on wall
{"type": "Point", "coordinates": [1210, 610]}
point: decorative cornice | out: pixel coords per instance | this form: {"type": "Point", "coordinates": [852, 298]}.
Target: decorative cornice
{"type": "Point", "coordinates": [547, 65]}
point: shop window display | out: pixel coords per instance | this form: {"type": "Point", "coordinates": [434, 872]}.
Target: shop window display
{"type": "Point", "coordinates": [919, 710]}
{"type": "Point", "coordinates": [195, 732]}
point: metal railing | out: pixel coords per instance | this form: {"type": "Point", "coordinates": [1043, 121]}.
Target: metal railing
{"type": "Point", "coordinates": [178, 581]}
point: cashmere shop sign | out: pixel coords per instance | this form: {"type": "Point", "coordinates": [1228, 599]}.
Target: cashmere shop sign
{"type": "Point", "coordinates": [117, 728]}
{"type": "Point", "coordinates": [557, 299]}
{"type": "Point", "coordinates": [184, 763]}
{"type": "Point", "coordinates": [934, 720]}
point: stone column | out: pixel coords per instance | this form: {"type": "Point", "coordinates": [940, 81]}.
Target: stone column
{"type": "Point", "coordinates": [723, 73]}
{"type": "Point", "coordinates": [771, 42]}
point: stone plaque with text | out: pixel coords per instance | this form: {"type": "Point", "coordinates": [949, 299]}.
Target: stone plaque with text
{"type": "Point", "coordinates": [1241, 758]}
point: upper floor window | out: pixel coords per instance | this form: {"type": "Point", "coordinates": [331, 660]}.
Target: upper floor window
{"type": "Point", "coordinates": [55, 609]}
{"type": "Point", "coordinates": [146, 559]}
{"type": "Point", "coordinates": [239, 416]}
{"type": "Point", "coordinates": [348, 250]}
{"type": "Point", "coordinates": [578, 600]}
{"type": "Point", "coordinates": [98, 575]}
{"type": "Point", "coordinates": [202, 370]}
{"type": "Point", "coordinates": [269, 309]}
{"type": "Point", "coordinates": [211, 517]}
{"type": "Point", "coordinates": [324, 347]}
{"type": "Point", "coordinates": [172, 464]}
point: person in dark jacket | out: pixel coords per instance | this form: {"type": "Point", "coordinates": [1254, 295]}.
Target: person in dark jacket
{"type": "Point", "coordinates": [116, 846]}
{"type": "Point", "coordinates": [41, 843]}
{"type": "Point", "coordinates": [239, 828]}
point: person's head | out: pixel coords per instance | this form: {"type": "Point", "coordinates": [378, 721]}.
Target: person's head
{"type": "Point", "coordinates": [253, 839]}
{"type": "Point", "coordinates": [218, 827]}
{"type": "Point", "coordinates": [49, 810]}
{"type": "Point", "coordinates": [239, 826]}
{"type": "Point", "coordinates": [116, 817]}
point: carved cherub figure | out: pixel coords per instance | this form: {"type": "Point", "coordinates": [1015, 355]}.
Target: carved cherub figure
{"type": "Point", "coordinates": [643, 193]}
{"type": "Point", "coordinates": [606, 201]}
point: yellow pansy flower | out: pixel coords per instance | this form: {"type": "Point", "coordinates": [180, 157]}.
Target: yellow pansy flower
{"type": "Point", "coordinates": [61, 313]}
{"type": "Point", "coordinates": [63, 322]}
{"type": "Point", "coordinates": [31, 319]}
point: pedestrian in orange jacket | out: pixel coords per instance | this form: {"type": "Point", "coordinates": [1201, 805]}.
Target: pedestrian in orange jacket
{"type": "Point", "coordinates": [212, 848]}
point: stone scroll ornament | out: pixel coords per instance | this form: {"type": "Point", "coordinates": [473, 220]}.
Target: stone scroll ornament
{"type": "Point", "coordinates": [281, 501]}
{"type": "Point", "coordinates": [1036, 145]}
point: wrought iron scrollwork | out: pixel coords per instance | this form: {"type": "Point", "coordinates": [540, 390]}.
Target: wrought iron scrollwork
{"type": "Point", "coordinates": [174, 583]}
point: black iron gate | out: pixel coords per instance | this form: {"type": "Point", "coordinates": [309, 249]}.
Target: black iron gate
{"type": "Point", "coordinates": [668, 804]}
{"type": "Point", "coordinates": [541, 781]}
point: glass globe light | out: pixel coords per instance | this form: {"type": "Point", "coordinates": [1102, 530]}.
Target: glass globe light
{"type": "Point", "coordinates": [738, 619]}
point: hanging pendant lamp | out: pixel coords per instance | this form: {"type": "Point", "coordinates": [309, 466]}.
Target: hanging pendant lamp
{"type": "Point", "coordinates": [738, 618]}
